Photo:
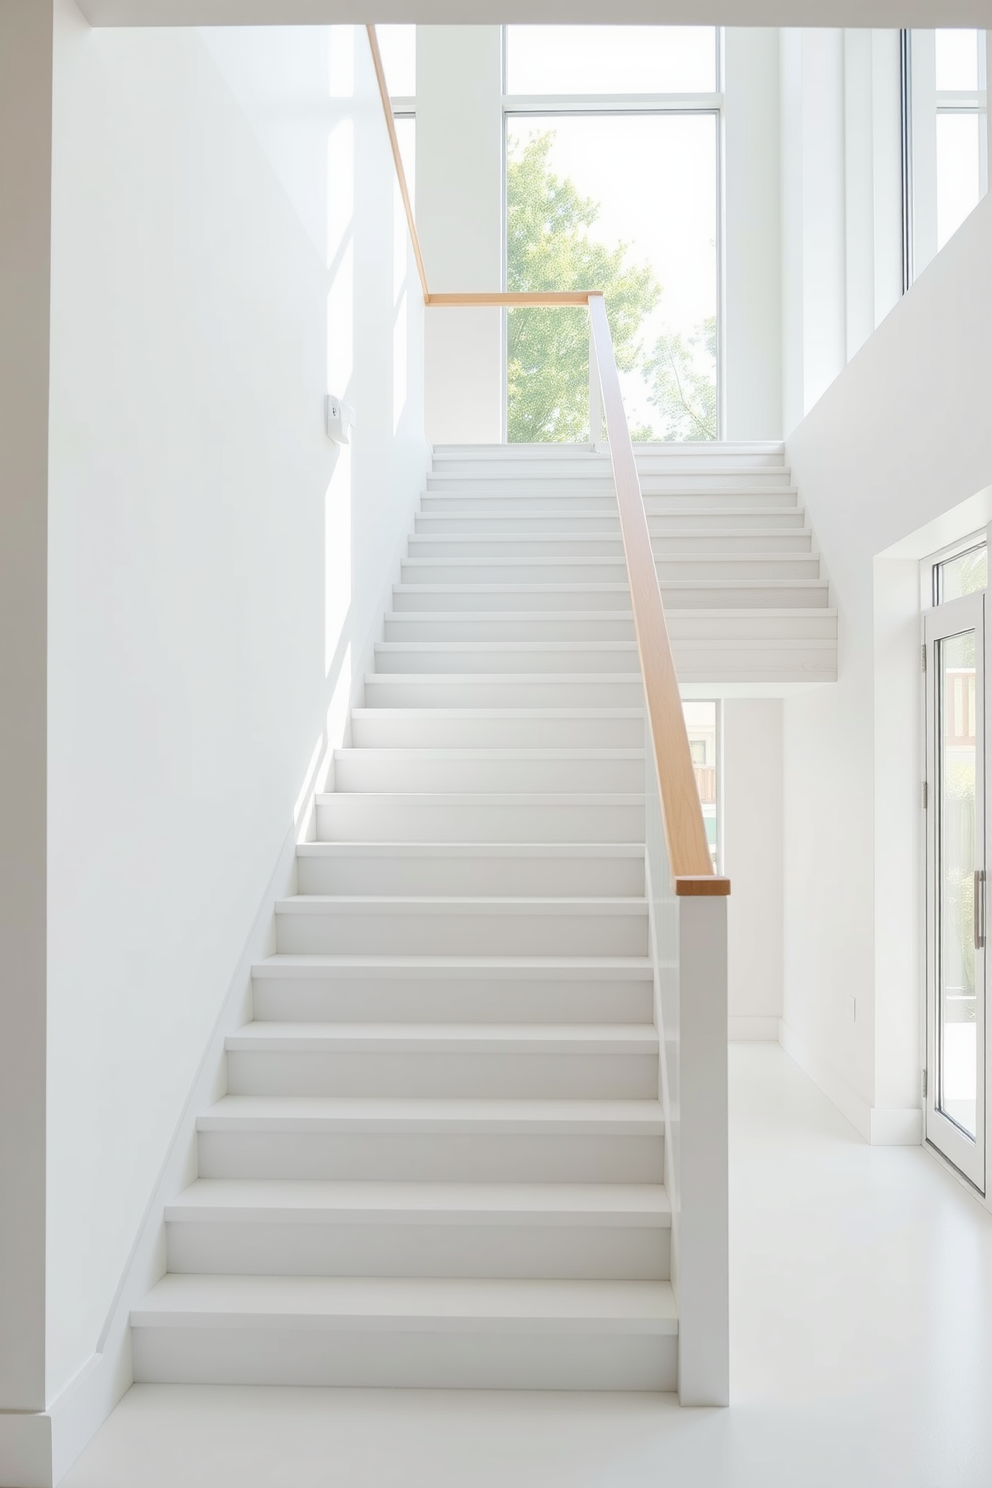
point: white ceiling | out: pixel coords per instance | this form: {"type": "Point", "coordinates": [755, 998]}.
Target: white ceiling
{"type": "Point", "coordinates": [656, 12]}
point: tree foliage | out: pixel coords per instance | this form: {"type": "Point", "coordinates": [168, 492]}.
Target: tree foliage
{"type": "Point", "coordinates": [549, 248]}
{"type": "Point", "coordinates": [682, 374]}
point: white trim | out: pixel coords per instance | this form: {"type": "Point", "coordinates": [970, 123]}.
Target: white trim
{"type": "Point", "coordinates": [848, 1102]}
{"type": "Point", "coordinates": [78, 1412]}
{"type": "Point", "coordinates": [746, 1030]}
{"type": "Point", "coordinates": [895, 1127]}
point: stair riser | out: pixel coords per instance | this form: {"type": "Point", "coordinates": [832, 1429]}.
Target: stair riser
{"type": "Point", "coordinates": [811, 665]}
{"type": "Point", "coordinates": [605, 570]}
{"type": "Point", "coordinates": [392, 934]}
{"type": "Point", "coordinates": [745, 520]}
{"type": "Point", "coordinates": [436, 659]}
{"type": "Point", "coordinates": [388, 1359]}
{"type": "Point", "coordinates": [514, 877]}
{"type": "Point", "coordinates": [433, 998]}
{"type": "Point", "coordinates": [428, 1157]}
{"type": "Point", "coordinates": [368, 771]}
{"type": "Point", "coordinates": [408, 728]}
{"type": "Point", "coordinates": [559, 545]}
{"type": "Point", "coordinates": [473, 571]}
{"type": "Point", "coordinates": [532, 628]}
{"type": "Point", "coordinates": [539, 691]}
{"type": "Point", "coordinates": [358, 819]}
{"type": "Point", "coordinates": [653, 482]}
{"type": "Point", "coordinates": [388, 1247]}
{"type": "Point", "coordinates": [418, 597]}
{"type": "Point", "coordinates": [457, 1076]}
{"type": "Point", "coordinates": [511, 501]}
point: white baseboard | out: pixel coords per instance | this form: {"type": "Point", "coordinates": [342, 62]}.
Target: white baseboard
{"type": "Point", "coordinates": [80, 1410]}
{"type": "Point", "coordinates": [893, 1126]}
{"type": "Point", "coordinates": [834, 1087]}
{"type": "Point", "coordinates": [881, 1126]}
{"type": "Point", "coordinates": [752, 1030]}
{"type": "Point", "coordinates": [25, 1449]}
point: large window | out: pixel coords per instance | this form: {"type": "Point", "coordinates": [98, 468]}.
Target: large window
{"type": "Point", "coordinates": [612, 183]}
{"type": "Point", "coordinates": [946, 99]}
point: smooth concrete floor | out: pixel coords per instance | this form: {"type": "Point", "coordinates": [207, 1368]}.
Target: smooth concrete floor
{"type": "Point", "coordinates": [861, 1297]}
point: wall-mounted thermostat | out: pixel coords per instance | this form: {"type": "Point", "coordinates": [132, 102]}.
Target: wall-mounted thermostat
{"type": "Point", "coordinates": [339, 420]}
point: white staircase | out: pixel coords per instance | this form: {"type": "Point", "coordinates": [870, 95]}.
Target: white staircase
{"type": "Point", "coordinates": [441, 1160]}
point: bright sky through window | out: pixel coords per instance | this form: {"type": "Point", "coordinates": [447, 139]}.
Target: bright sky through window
{"type": "Point", "coordinates": [957, 61]}
{"type": "Point", "coordinates": [611, 59]}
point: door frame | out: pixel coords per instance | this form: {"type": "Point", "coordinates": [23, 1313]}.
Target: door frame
{"type": "Point", "coordinates": [968, 1157]}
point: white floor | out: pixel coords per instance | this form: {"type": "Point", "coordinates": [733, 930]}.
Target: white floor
{"type": "Point", "coordinates": [862, 1355]}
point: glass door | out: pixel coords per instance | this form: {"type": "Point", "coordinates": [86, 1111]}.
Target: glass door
{"type": "Point", "coordinates": [954, 635]}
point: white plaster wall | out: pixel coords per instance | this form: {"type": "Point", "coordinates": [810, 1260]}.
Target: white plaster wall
{"type": "Point", "coordinates": [459, 211]}
{"type": "Point", "coordinates": [215, 566]}
{"type": "Point", "coordinates": [752, 307]}
{"type": "Point", "coordinates": [751, 738]}
{"type": "Point", "coordinates": [901, 437]}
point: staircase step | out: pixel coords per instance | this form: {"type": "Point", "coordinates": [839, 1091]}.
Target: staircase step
{"type": "Point", "coordinates": [363, 816]}
{"type": "Point", "coordinates": [502, 1061]}
{"type": "Point", "coordinates": [314, 924]}
{"type": "Point", "coordinates": [479, 657]}
{"type": "Point", "coordinates": [390, 1331]}
{"type": "Point", "coordinates": [528, 771]}
{"type": "Point", "coordinates": [529, 597]}
{"type": "Point", "coordinates": [480, 989]}
{"type": "Point", "coordinates": [542, 626]}
{"type": "Point", "coordinates": [743, 518]}
{"type": "Point", "coordinates": [490, 868]}
{"type": "Point", "coordinates": [504, 689]}
{"type": "Point", "coordinates": [610, 1231]}
{"type": "Point", "coordinates": [511, 728]}
{"type": "Point", "coordinates": [679, 569]}
{"type": "Point", "coordinates": [699, 544]}
{"type": "Point", "coordinates": [477, 1141]}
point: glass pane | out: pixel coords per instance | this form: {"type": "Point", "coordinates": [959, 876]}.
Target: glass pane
{"type": "Point", "coordinates": [406, 134]}
{"type": "Point", "coordinates": [398, 45]}
{"type": "Point", "coordinates": [579, 217]}
{"type": "Point", "coordinates": [701, 726]}
{"type": "Point", "coordinates": [957, 61]}
{"type": "Point", "coordinates": [957, 1034]}
{"type": "Point", "coordinates": [611, 59]}
{"type": "Point", "coordinates": [965, 574]}
{"type": "Point", "coordinates": [958, 170]}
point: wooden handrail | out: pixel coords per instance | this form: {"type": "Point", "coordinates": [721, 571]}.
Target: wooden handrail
{"type": "Point", "coordinates": [685, 833]}
{"type": "Point", "coordinates": [387, 109]}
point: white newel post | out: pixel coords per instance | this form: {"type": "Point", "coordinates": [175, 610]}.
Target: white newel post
{"type": "Point", "coordinates": [703, 1286]}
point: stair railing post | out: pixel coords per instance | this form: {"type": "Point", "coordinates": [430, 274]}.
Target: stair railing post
{"type": "Point", "coordinates": [595, 395]}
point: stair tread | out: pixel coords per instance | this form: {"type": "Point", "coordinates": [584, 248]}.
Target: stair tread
{"type": "Point", "coordinates": [283, 1199]}
{"type": "Point", "coordinates": [396, 1114]}
{"type": "Point", "coordinates": [531, 905]}
{"type": "Point", "coordinates": [446, 1037]}
{"type": "Point", "coordinates": [307, 967]}
{"type": "Point", "coordinates": [636, 1306]}
{"type": "Point", "coordinates": [485, 798]}
{"type": "Point", "coordinates": [567, 850]}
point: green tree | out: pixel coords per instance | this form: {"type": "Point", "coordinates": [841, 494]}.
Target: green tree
{"type": "Point", "coordinates": [682, 370]}
{"type": "Point", "coordinates": [549, 248]}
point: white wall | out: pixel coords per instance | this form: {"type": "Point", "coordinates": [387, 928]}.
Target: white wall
{"type": "Point", "coordinates": [752, 304]}
{"type": "Point", "coordinates": [751, 820]}
{"type": "Point", "coordinates": [459, 211]}
{"type": "Point", "coordinates": [220, 249]}
{"type": "Point", "coordinates": [901, 437]}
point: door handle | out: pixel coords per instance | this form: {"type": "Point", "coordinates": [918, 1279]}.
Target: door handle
{"type": "Point", "coordinates": [978, 909]}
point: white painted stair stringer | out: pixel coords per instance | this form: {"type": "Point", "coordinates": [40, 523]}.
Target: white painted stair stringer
{"type": "Point", "coordinates": [440, 1160]}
